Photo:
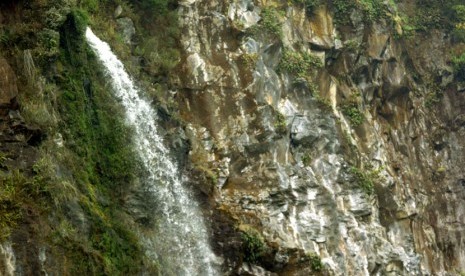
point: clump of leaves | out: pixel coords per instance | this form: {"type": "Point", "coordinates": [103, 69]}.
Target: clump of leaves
{"type": "Point", "coordinates": [270, 23]}
{"type": "Point", "coordinates": [309, 5]}
{"type": "Point", "coordinates": [253, 244]}
{"type": "Point", "coordinates": [372, 9]}
{"type": "Point", "coordinates": [366, 178]}
{"type": "Point", "coordinates": [354, 114]}
{"type": "Point", "coordinates": [299, 64]}
{"type": "Point", "coordinates": [315, 262]}
{"type": "Point", "coordinates": [249, 59]}
{"type": "Point", "coordinates": [18, 191]}
{"type": "Point", "coordinates": [306, 159]}
{"type": "Point", "coordinates": [280, 124]}
{"type": "Point", "coordinates": [458, 63]}
{"type": "Point", "coordinates": [433, 96]}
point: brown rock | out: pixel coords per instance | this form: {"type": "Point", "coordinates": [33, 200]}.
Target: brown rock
{"type": "Point", "coordinates": [8, 88]}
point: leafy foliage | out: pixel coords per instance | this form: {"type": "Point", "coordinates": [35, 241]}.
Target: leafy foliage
{"type": "Point", "coordinates": [365, 179]}
{"type": "Point", "coordinates": [270, 24]}
{"type": "Point", "coordinates": [100, 157]}
{"type": "Point", "coordinates": [306, 159]}
{"type": "Point", "coordinates": [280, 124]}
{"type": "Point", "coordinates": [458, 63]}
{"type": "Point", "coordinates": [354, 114]}
{"type": "Point", "coordinates": [309, 5]}
{"type": "Point", "coordinates": [299, 64]}
{"type": "Point", "coordinates": [249, 59]}
{"type": "Point", "coordinates": [18, 193]}
{"type": "Point", "coordinates": [253, 245]}
{"type": "Point", "coordinates": [315, 262]}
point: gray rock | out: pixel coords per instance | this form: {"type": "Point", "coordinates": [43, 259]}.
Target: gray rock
{"type": "Point", "coordinates": [118, 11]}
{"type": "Point", "coordinates": [126, 29]}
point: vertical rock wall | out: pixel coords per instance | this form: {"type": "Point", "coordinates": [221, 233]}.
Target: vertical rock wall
{"type": "Point", "coordinates": [301, 185]}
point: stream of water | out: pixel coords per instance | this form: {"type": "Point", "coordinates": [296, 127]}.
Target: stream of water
{"type": "Point", "coordinates": [181, 244]}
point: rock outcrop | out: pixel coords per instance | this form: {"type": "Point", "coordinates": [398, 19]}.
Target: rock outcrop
{"type": "Point", "coordinates": [350, 163]}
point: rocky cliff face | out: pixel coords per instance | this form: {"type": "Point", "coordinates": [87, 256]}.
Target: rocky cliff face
{"type": "Point", "coordinates": [323, 137]}
{"type": "Point", "coordinates": [356, 161]}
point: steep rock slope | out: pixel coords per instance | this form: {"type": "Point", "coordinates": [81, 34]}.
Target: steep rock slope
{"type": "Point", "coordinates": [325, 132]}
{"type": "Point", "coordinates": [324, 137]}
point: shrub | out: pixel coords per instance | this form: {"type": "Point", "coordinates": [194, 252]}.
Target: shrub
{"type": "Point", "coordinates": [354, 114]}
{"type": "Point", "coordinates": [249, 60]}
{"type": "Point", "coordinates": [157, 7]}
{"type": "Point", "coordinates": [315, 262]}
{"type": "Point", "coordinates": [270, 24]}
{"type": "Point", "coordinates": [280, 124]}
{"type": "Point", "coordinates": [299, 64]}
{"type": "Point", "coordinates": [373, 9]}
{"type": "Point", "coordinates": [306, 159]}
{"type": "Point", "coordinates": [19, 192]}
{"type": "Point", "coordinates": [458, 63]}
{"type": "Point", "coordinates": [365, 179]}
{"type": "Point", "coordinates": [253, 245]}
{"type": "Point", "coordinates": [459, 13]}
{"type": "Point", "coordinates": [342, 10]}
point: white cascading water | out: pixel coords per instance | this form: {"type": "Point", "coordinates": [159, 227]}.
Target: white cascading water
{"type": "Point", "coordinates": [7, 260]}
{"type": "Point", "coordinates": [181, 244]}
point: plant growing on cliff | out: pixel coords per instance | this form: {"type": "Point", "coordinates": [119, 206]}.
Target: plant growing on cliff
{"type": "Point", "coordinates": [280, 124]}
{"type": "Point", "coordinates": [372, 10]}
{"type": "Point", "coordinates": [354, 114]}
{"type": "Point", "coordinates": [458, 63]}
{"type": "Point", "coordinates": [299, 64]}
{"type": "Point", "coordinates": [270, 24]}
{"type": "Point", "coordinates": [366, 179]}
{"type": "Point", "coordinates": [20, 192]}
{"type": "Point", "coordinates": [309, 5]}
{"type": "Point", "coordinates": [433, 96]}
{"type": "Point", "coordinates": [315, 262]}
{"type": "Point", "coordinates": [459, 23]}
{"type": "Point", "coordinates": [306, 159]}
{"type": "Point", "coordinates": [253, 244]}
{"type": "Point", "coordinates": [249, 60]}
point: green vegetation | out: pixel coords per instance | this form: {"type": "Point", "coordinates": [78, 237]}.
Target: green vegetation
{"type": "Point", "coordinates": [86, 161]}
{"type": "Point", "coordinates": [249, 60]}
{"type": "Point", "coordinates": [323, 103]}
{"type": "Point", "coordinates": [354, 114]}
{"type": "Point", "coordinates": [15, 194]}
{"type": "Point", "coordinates": [21, 191]}
{"type": "Point", "coordinates": [458, 32]}
{"type": "Point", "coordinates": [253, 244]}
{"type": "Point", "coordinates": [342, 10]}
{"type": "Point", "coordinates": [306, 159]}
{"type": "Point", "coordinates": [309, 5]}
{"type": "Point", "coordinates": [458, 63]}
{"type": "Point", "coordinates": [432, 98]}
{"type": "Point", "coordinates": [373, 9]}
{"type": "Point", "coordinates": [446, 15]}
{"type": "Point", "coordinates": [100, 157]}
{"type": "Point", "coordinates": [299, 64]}
{"type": "Point", "coordinates": [270, 24]}
{"type": "Point", "coordinates": [366, 179]}
{"type": "Point", "coordinates": [315, 262]}
{"type": "Point", "coordinates": [280, 124]}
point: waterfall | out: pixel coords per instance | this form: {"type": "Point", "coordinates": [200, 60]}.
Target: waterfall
{"type": "Point", "coordinates": [7, 260]}
{"type": "Point", "coordinates": [181, 242]}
